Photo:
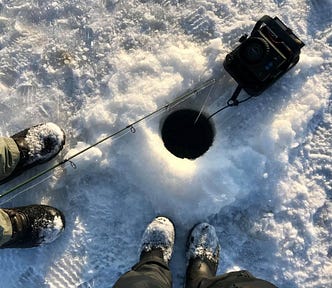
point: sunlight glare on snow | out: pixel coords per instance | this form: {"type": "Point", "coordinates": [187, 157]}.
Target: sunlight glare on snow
{"type": "Point", "coordinates": [176, 166]}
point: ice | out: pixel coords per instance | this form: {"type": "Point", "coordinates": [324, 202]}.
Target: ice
{"type": "Point", "coordinates": [94, 67]}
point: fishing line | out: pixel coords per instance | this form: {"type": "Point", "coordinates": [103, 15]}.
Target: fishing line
{"type": "Point", "coordinates": [231, 101]}
{"type": "Point", "coordinates": [204, 104]}
{"type": "Point", "coordinates": [27, 189]}
{"type": "Point", "coordinates": [130, 127]}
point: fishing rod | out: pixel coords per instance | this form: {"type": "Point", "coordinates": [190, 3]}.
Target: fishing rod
{"type": "Point", "coordinates": [255, 65]}
{"type": "Point", "coordinates": [130, 127]}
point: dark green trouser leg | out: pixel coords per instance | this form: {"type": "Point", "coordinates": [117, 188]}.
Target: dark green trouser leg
{"type": "Point", "coordinates": [240, 279]}
{"type": "Point", "coordinates": [9, 157]}
{"type": "Point", "coordinates": [150, 272]}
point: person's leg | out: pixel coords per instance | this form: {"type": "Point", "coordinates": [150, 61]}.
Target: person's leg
{"type": "Point", "coordinates": [9, 157]}
{"type": "Point", "coordinates": [6, 230]}
{"type": "Point", "coordinates": [152, 270]}
{"type": "Point", "coordinates": [203, 260]}
{"type": "Point", "coordinates": [238, 279]}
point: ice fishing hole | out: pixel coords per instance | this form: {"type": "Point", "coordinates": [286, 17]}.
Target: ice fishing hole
{"type": "Point", "coordinates": [187, 134]}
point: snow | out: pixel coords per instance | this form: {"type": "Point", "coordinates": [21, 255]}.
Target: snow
{"type": "Point", "coordinates": [94, 67]}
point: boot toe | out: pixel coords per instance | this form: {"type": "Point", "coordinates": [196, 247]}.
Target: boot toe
{"type": "Point", "coordinates": [159, 234]}
{"type": "Point", "coordinates": [50, 225]}
{"type": "Point", "coordinates": [44, 142]}
{"type": "Point", "coordinates": [34, 225]}
{"type": "Point", "coordinates": [38, 144]}
{"type": "Point", "coordinates": [203, 243]}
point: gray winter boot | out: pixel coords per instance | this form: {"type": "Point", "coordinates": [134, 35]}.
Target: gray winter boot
{"type": "Point", "coordinates": [202, 254]}
{"type": "Point", "coordinates": [158, 239]}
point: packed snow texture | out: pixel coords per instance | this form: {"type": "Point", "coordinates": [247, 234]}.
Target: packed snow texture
{"type": "Point", "coordinates": [94, 67]}
{"type": "Point", "coordinates": [159, 234]}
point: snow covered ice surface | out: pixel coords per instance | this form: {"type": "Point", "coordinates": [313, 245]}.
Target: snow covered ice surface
{"type": "Point", "coordinates": [93, 67]}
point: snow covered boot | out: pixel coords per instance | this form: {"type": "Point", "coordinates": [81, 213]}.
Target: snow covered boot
{"type": "Point", "coordinates": [37, 145]}
{"type": "Point", "coordinates": [158, 240]}
{"type": "Point", "coordinates": [202, 254]}
{"type": "Point", "coordinates": [34, 225]}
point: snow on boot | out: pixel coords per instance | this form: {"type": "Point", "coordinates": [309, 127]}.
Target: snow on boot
{"type": "Point", "coordinates": [202, 254]}
{"type": "Point", "coordinates": [34, 225]}
{"type": "Point", "coordinates": [37, 145]}
{"type": "Point", "coordinates": [158, 239]}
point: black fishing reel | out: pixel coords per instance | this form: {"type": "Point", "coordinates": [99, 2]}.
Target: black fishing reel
{"type": "Point", "coordinates": [263, 57]}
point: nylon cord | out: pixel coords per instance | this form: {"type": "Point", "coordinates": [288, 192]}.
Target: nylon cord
{"type": "Point", "coordinates": [232, 101]}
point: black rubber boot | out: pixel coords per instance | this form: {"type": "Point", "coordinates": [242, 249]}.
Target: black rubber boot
{"type": "Point", "coordinates": [158, 240]}
{"type": "Point", "coordinates": [34, 225]}
{"type": "Point", "coordinates": [37, 145]}
{"type": "Point", "coordinates": [202, 254]}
